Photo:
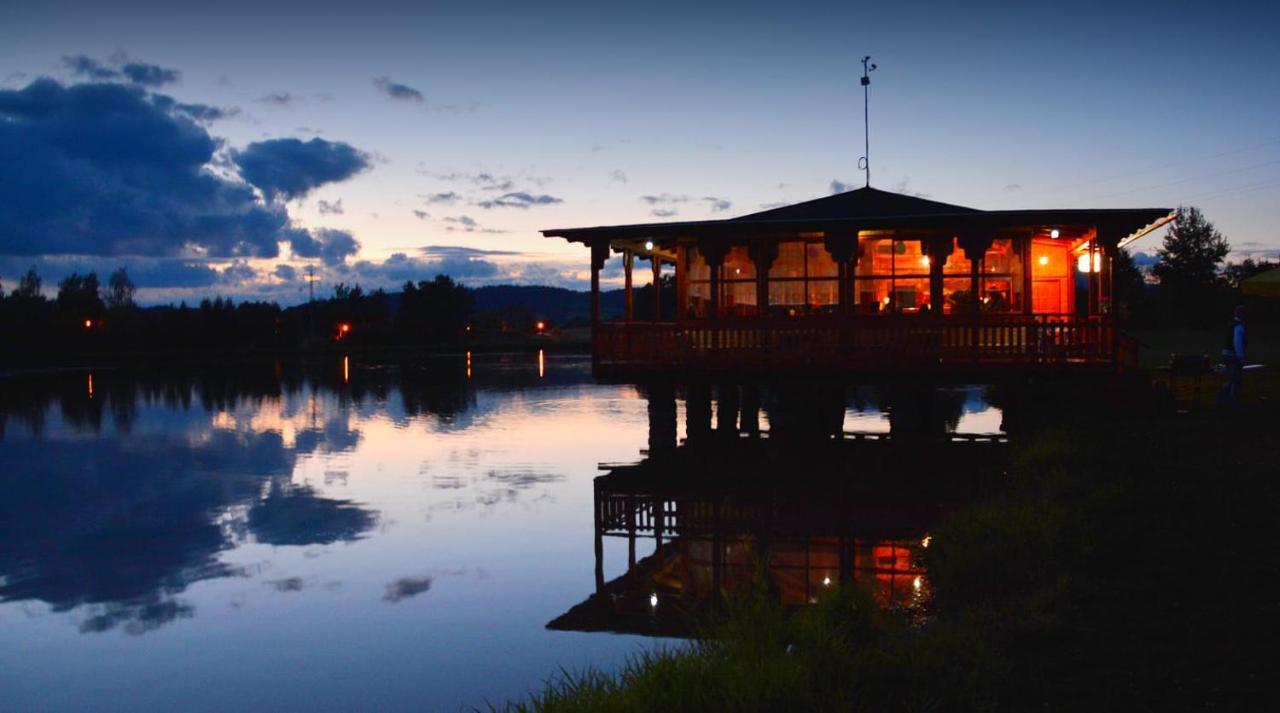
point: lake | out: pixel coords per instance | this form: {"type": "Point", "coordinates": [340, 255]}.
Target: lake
{"type": "Point", "coordinates": [340, 534]}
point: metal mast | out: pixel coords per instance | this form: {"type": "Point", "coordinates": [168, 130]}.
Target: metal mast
{"type": "Point", "coordinates": [865, 162]}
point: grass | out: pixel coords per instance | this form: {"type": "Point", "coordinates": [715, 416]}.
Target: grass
{"type": "Point", "coordinates": [1124, 566]}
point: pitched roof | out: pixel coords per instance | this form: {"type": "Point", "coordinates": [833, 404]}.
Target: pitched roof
{"type": "Point", "coordinates": [861, 203]}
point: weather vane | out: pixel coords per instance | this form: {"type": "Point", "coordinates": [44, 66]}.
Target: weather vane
{"type": "Point", "coordinates": [864, 163]}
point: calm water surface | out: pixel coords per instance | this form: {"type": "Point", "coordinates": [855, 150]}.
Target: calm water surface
{"type": "Point", "coordinates": [328, 536]}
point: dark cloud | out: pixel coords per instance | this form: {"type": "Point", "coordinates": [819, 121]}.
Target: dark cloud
{"type": "Point", "coordinates": [280, 99]}
{"type": "Point", "coordinates": [1011, 187]}
{"type": "Point", "coordinates": [327, 208]}
{"type": "Point", "coordinates": [468, 224]}
{"type": "Point", "coordinates": [239, 272]}
{"type": "Point", "coordinates": [446, 197]}
{"type": "Point", "coordinates": [88, 67]}
{"type": "Point", "coordinates": [203, 113]}
{"type": "Point", "coordinates": [400, 267]}
{"type": "Point", "coordinates": [664, 199]}
{"type": "Point", "coordinates": [291, 168]}
{"type": "Point", "coordinates": [406, 587]}
{"type": "Point", "coordinates": [664, 212]}
{"type": "Point", "coordinates": [519, 199]}
{"type": "Point", "coordinates": [108, 169]}
{"type": "Point", "coordinates": [483, 180]}
{"type": "Point", "coordinates": [465, 221]}
{"type": "Point", "coordinates": [395, 90]}
{"type": "Point", "coordinates": [289, 584]}
{"type": "Point", "coordinates": [717, 205]}
{"type": "Point", "coordinates": [331, 246]}
{"type": "Point", "coordinates": [457, 251]}
{"type": "Point", "coordinates": [838, 186]}
{"type": "Point", "coordinates": [150, 75]}
{"type": "Point", "coordinates": [286, 272]}
{"type": "Point", "coordinates": [422, 214]}
{"type": "Point", "coordinates": [618, 175]}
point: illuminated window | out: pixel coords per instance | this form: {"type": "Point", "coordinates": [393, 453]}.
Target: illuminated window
{"type": "Point", "coordinates": [892, 275]}
{"type": "Point", "coordinates": [803, 280]}
{"type": "Point", "coordinates": [737, 284]}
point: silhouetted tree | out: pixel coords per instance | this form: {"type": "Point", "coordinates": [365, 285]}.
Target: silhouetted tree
{"type": "Point", "coordinates": [120, 290]}
{"type": "Point", "coordinates": [1188, 266]}
{"type": "Point", "coordinates": [28, 286]}
{"type": "Point", "coordinates": [1235, 273]}
{"type": "Point", "coordinates": [78, 297]}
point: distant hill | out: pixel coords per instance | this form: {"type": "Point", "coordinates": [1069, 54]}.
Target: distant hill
{"type": "Point", "coordinates": [557, 304]}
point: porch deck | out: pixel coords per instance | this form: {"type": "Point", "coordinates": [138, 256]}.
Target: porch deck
{"type": "Point", "coordinates": [881, 345]}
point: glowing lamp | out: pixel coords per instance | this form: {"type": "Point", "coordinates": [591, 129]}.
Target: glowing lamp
{"type": "Point", "coordinates": [88, 323]}
{"type": "Point", "coordinates": [1082, 263]}
{"type": "Point", "coordinates": [1044, 260]}
{"type": "Point", "coordinates": [924, 261]}
{"type": "Point", "coordinates": [917, 583]}
{"type": "Point", "coordinates": [653, 600]}
{"type": "Point", "coordinates": [826, 581]}
{"type": "Point", "coordinates": [648, 245]}
{"type": "Point", "coordinates": [1054, 233]}
{"type": "Point", "coordinates": [540, 325]}
{"type": "Point", "coordinates": [344, 328]}
{"type": "Point", "coordinates": [925, 542]}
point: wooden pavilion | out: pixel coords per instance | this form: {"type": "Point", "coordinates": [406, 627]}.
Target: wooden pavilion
{"type": "Point", "coordinates": [868, 283]}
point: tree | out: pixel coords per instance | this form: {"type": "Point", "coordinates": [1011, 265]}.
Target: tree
{"type": "Point", "coordinates": [78, 297]}
{"type": "Point", "coordinates": [1235, 273]}
{"type": "Point", "coordinates": [28, 286]}
{"type": "Point", "coordinates": [1129, 283]}
{"type": "Point", "coordinates": [1192, 252]}
{"type": "Point", "coordinates": [120, 290]}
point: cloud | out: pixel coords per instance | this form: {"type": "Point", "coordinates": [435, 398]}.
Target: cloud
{"type": "Point", "coordinates": [446, 197]}
{"type": "Point", "coordinates": [238, 272]}
{"type": "Point", "coordinates": [280, 99]}
{"type": "Point", "coordinates": [202, 113]}
{"type": "Point", "coordinates": [468, 224]}
{"type": "Point", "coordinates": [394, 90]}
{"type": "Point", "coordinates": [406, 587]}
{"type": "Point", "coordinates": [664, 199]}
{"type": "Point", "coordinates": [664, 212]}
{"type": "Point", "coordinates": [519, 199]}
{"type": "Point", "coordinates": [400, 267]}
{"type": "Point", "coordinates": [291, 168]}
{"type": "Point", "coordinates": [109, 169]}
{"type": "Point", "coordinates": [458, 251]}
{"type": "Point", "coordinates": [484, 180]}
{"type": "Point", "coordinates": [286, 272]}
{"type": "Point", "coordinates": [327, 208]}
{"type": "Point", "coordinates": [618, 175]}
{"type": "Point", "coordinates": [717, 205]}
{"type": "Point", "coordinates": [333, 247]}
{"type": "Point", "coordinates": [1010, 187]}
{"type": "Point", "coordinates": [838, 186]}
{"type": "Point", "coordinates": [422, 214]}
{"type": "Point", "coordinates": [88, 67]}
{"type": "Point", "coordinates": [150, 75]}
{"type": "Point", "coordinates": [465, 221]}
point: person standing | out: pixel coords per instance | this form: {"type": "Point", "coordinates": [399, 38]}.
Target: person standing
{"type": "Point", "coordinates": [1234, 342]}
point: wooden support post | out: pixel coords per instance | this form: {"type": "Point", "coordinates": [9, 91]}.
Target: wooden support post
{"type": "Point", "coordinates": [657, 288]}
{"type": "Point", "coordinates": [599, 523]}
{"type": "Point", "coordinates": [727, 409]}
{"type": "Point", "coordinates": [975, 243]}
{"type": "Point", "coordinates": [662, 419]}
{"type": "Point", "coordinates": [762, 255]}
{"type": "Point", "coordinates": [749, 421]}
{"type": "Point", "coordinates": [697, 412]}
{"type": "Point", "coordinates": [630, 310]}
{"type": "Point", "coordinates": [599, 253]}
{"type": "Point", "coordinates": [842, 246]}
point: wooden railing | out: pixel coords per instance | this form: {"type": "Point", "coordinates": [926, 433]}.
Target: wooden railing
{"type": "Point", "coordinates": [883, 343]}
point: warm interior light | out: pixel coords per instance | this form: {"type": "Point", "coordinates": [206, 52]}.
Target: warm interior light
{"type": "Point", "coordinates": [88, 323]}
{"type": "Point", "coordinates": [541, 325]}
{"type": "Point", "coordinates": [885, 300]}
{"type": "Point", "coordinates": [917, 583]}
{"type": "Point", "coordinates": [925, 542]}
{"type": "Point", "coordinates": [826, 581]}
{"type": "Point", "coordinates": [1054, 233]}
{"type": "Point", "coordinates": [648, 245]}
{"type": "Point", "coordinates": [1082, 263]}
{"type": "Point", "coordinates": [653, 600]}
{"type": "Point", "coordinates": [1044, 260]}
{"type": "Point", "coordinates": [924, 260]}
{"type": "Point", "coordinates": [344, 328]}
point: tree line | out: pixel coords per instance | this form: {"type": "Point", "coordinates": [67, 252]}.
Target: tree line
{"type": "Point", "coordinates": [88, 318]}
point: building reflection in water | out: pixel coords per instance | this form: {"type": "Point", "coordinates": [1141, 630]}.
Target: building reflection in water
{"type": "Point", "coordinates": [774, 491]}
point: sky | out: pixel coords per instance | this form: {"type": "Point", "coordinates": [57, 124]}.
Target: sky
{"type": "Point", "coordinates": [226, 148]}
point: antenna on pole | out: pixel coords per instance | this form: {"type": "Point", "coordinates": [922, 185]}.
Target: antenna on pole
{"type": "Point", "coordinates": [864, 163]}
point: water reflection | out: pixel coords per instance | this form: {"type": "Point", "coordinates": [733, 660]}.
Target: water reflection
{"type": "Point", "coordinates": [122, 488]}
{"type": "Point", "coordinates": [796, 507]}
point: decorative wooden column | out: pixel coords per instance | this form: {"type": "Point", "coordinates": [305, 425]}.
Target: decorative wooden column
{"type": "Point", "coordinates": [842, 245]}
{"type": "Point", "coordinates": [938, 249]}
{"type": "Point", "coordinates": [1028, 264]}
{"type": "Point", "coordinates": [628, 258]}
{"type": "Point", "coordinates": [657, 287]}
{"type": "Point", "coordinates": [763, 254]}
{"type": "Point", "coordinates": [975, 244]}
{"type": "Point", "coordinates": [714, 254]}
